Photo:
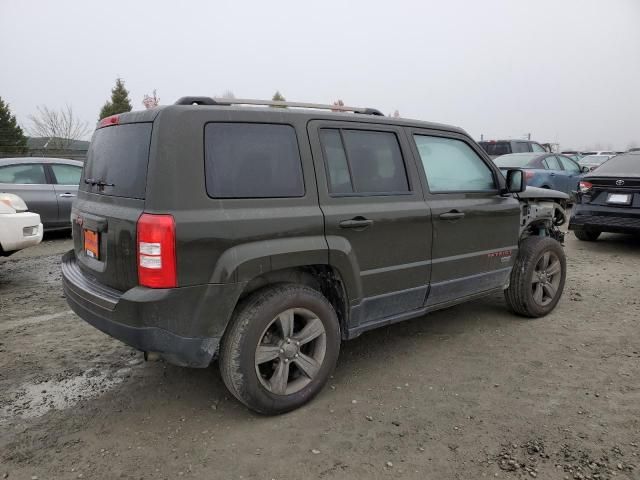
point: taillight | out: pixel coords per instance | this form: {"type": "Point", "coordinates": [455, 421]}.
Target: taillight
{"type": "Point", "coordinates": [585, 186]}
{"type": "Point", "coordinates": [157, 251]}
{"type": "Point", "coordinates": [107, 121]}
{"type": "Point", "coordinates": [528, 174]}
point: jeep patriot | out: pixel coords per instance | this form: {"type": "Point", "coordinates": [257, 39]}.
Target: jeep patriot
{"type": "Point", "coordinates": [263, 237]}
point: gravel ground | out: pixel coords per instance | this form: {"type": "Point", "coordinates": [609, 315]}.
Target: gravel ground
{"type": "Point", "coordinates": [464, 393]}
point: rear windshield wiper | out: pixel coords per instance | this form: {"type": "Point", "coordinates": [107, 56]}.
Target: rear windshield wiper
{"type": "Point", "coordinates": [99, 183]}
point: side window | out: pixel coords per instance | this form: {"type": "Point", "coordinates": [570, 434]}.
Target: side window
{"type": "Point", "coordinates": [452, 166]}
{"type": "Point", "coordinates": [336, 161]}
{"type": "Point", "coordinates": [362, 161]}
{"type": "Point", "coordinates": [66, 174]}
{"type": "Point", "coordinates": [569, 165]}
{"type": "Point", "coordinates": [252, 160]}
{"type": "Point", "coordinates": [521, 147]}
{"type": "Point", "coordinates": [23, 174]}
{"type": "Point", "coordinates": [537, 147]}
{"type": "Point", "coordinates": [551, 163]}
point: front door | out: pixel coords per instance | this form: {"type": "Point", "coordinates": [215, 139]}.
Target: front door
{"type": "Point", "coordinates": [573, 174]}
{"type": "Point", "coordinates": [376, 221]}
{"type": "Point", "coordinates": [475, 229]}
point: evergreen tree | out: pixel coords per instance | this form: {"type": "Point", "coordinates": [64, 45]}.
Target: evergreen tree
{"type": "Point", "coordinates": [12, 139]}
{"type": "Point", "coordinates": [278, 97]}
{"type": "Point", "coordinates": [119, 102]}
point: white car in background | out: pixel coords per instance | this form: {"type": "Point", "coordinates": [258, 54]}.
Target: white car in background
{"type": "Point", "coordinates": [18, 228]}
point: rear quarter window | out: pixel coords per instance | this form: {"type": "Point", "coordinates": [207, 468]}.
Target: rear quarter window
{"type": "Point", "coordinates": [252, 160]}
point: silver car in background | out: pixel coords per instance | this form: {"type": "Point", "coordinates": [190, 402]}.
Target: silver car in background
{"type": "Point", "coordinates": [594, 161]}
{"type": "Point", "coordinates": [47, 185]}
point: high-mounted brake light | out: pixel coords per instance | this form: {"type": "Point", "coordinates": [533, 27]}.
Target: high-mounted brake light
{"type": "Point", "coordinates": [108, 121]}
{"type": "Point", "coordinates": [585, 187]}
{"type": "Point", "coordinates": [157, 251]}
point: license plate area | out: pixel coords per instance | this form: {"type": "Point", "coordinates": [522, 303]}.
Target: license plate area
{"type": "Point", "coordinates": [92, 244]}
{"type": "Point", "coordinates": [619, 198]}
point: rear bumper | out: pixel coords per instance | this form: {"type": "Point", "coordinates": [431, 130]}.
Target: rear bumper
{"type": "Point", "coordinates": [183, 325]}
{"type": "Point", "coordinates": [19, 230]}
{"type": "Point", "coordinates": [605, 219]}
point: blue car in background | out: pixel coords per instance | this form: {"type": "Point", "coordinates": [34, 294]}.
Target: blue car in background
{"type": "Point", "coordinates": [546, 170]}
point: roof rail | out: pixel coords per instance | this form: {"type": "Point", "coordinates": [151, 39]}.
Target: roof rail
{"type": "Point", "coordinates": [274, 103]}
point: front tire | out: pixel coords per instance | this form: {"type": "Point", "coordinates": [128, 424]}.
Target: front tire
{"type": "Point", "coordinates": [280, 348]}
{"type": "Point", "coordinates": [587, 235]}
{"type": "Point", "coordinates": [537, 278]}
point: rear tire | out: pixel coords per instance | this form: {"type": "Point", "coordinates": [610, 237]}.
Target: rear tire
{"type": "Point", "coordinates": [280, 348]}
{"type": "Point", "coordinates": [537, 278]}
{"type": "Point", "coordinates": [587, 235]}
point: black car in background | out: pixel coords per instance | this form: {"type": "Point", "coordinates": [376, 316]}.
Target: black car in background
{"type": "Point", "coordinates": [495, 148]}
{"type": "Point", "coordinates": [609, 199]}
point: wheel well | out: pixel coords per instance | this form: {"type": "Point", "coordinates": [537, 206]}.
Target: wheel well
{"type": "Point", "coordinates": [323, 278]}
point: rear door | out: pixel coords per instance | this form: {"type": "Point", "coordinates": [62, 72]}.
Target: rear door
{"type": "Point", "coordinates": [66, 179]}
{"type": "Point", "coordinates": [475, 229]}
{"type": "Point", "coordinates": [376, 220]}
{"type": "Point", "coordinates": [30, 182]}
{"type": "Point", "coordinates": [110, 200]}
{"type": "Point", "coordinates": [557, 177]}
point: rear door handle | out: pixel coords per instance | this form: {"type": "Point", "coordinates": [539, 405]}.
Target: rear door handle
{"type": "Point", "coordinates": [67, 195]}
{"type": "Point", "coordinates": [357, 222]}
{"type": "Point", "coordinates": [453, 215]}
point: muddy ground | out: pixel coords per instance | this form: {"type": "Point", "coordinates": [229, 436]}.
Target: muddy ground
{"type": "Point", "coordinates": [465, 393]}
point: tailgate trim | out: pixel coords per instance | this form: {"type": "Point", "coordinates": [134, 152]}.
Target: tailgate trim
{"type": "Point", "coordinates": [86, 287]}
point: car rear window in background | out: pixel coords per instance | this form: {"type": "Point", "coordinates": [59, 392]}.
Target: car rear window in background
{"type": "Point", "coordinates": [66, 174]}
{"type": "Point", "coordinates": [252, 160]}
{"type": "Point", "coordinates": [363, 161]}
{"type": "Point", "coordinates": [496, 148]}
{"type": "Point", "coordinates": [514, 161]}
{"type": "Point", "coordinates": [625, 164]}
{"type": "Point", "coordinates": [119, 155]}
{"type": "Point", "coordinates": [452, 166]}
{"type": "Point", "coordinates": [521, 147]}
{"type": "Point", "coordinates": [23, 174]}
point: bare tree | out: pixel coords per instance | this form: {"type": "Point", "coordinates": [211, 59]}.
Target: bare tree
{"type": "Point", "coordinates": [228, 94]}
{"type": "Point", "coordinates": [62, 127]}
{"type": "Point", "coordinates": [151, 101]}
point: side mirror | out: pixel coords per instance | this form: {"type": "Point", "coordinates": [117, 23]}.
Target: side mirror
{"type": "Point", "coordinates": [515, 181]}
{"type": "Point", "coordinates": [585, 169]}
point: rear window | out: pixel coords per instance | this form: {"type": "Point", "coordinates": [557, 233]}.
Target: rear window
{"type": "Point", "coordinates": [496, 148]}
{"type": "Point", "coordinates": [515, 161]}
{"type": "Point", "coordinates": [118, 155]}
{"type": "Point", "coordinates": [252, 160]}
{"type": "Point", "coordinates": [628, 164]}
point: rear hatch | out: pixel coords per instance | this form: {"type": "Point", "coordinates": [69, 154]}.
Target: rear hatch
{"type": "Point", "coordinates": [110, 200]}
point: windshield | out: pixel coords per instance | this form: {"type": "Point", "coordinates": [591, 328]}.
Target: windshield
{"type": "Point", "coordinates": [519, 160]}
{"type": "Point", "coordinates": [594, 159]}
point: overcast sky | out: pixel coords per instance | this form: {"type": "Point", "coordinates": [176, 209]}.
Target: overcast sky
{"type": "Point", "coordinates": [566, 71]}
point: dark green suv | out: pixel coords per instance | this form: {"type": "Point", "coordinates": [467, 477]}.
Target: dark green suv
{"type": "Point", "coordinates": [265, 235]}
